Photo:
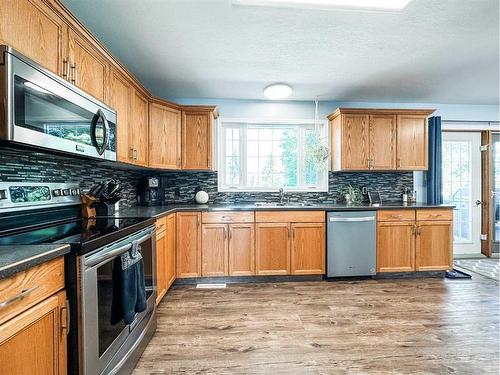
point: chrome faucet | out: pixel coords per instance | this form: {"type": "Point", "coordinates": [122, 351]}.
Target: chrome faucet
{"type": "Point", "coordinates": [282, 196]}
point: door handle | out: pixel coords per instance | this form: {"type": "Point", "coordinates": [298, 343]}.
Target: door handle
{"type": "Point", "coordinates": [67, 324]}
{"type": "Point", "coordinates": [74, 78]}
{"type": "Point", "coordinates": [478, 203]}
{"type": "Point", "coordinates": [65, 69]}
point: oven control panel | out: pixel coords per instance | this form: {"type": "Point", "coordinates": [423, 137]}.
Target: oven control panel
{"type": "Point", "coordinates": [24, 195]}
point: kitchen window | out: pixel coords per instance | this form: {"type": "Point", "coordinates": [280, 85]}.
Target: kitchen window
{"type": "Point", "coordinates": [266, 156]}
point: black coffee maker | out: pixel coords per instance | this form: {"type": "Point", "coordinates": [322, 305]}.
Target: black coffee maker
{"type": "Point", "coordinates": [151, 192]}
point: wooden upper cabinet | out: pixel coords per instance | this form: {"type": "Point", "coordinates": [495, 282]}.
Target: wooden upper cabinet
{"type": "Point", "coordinates": [308, 249]}
{"type": "Point", "coordinates": [434, 242]}
{"type": "Point", "coordinates": [138, 129]}
{"type": "Point", "coordinates": [164, 135]}
{"type": "Point", "coordinates": [188, 244]}
{"type": "Point", "coordinates": [197, 128]}
{"type": "Point", "coordinates": [365, 139]}
{"type": "Point", "coordinates": [241, 249]}
{"type": "Point", "coordinates": [87, 68]}
{"type": "Point", "coordinates": [355, 142]}
{"type": "Point", "coordinates": [34, 342]}
{"type": "Point", "coordinates": [121, 100]}
{"type": "Point", "coordinates": [214, 252]}
{"type": "Point", "coordinates": [33, 29]}
{"type": "Point", "coordinates": [170, 243]}
{"type": "Point", "coordinates": [382, 142]}
{"type": "Point", "coordinates": [272, 249]}
{"type": "Point", "coordinates": [412, 142]}
{"type": "Point", "coordinates": [396, 246]}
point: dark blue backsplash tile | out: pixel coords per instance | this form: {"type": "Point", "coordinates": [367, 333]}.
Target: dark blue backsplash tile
{"type": "Point", "coordinates": [32, 166]}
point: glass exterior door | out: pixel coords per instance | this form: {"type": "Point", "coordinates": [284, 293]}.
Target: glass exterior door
{"type": "Point", "coordinates": [462, 188]}
{"type": "Point", "coordinates": [496, 191]}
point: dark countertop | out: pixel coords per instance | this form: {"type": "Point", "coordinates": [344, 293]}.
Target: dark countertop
{"type": "Point", "coordinates": [17, 258]}
{"type": "Point", "coordinates": [158, 211]}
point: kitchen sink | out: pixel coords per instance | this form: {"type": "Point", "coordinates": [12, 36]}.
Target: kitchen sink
{"type": "Point", "coordinates": [292, 204]}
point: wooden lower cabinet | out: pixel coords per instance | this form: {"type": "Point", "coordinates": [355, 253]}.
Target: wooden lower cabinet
{"type": "Point", "coordinates": [214, 252]}
{"type": "Point", "coordinates": [241, 249]}
{"type": "Point", "coordinates": [395, 246]}
{"type": "Point", "coordinates": [188, 228]}
{"type": "Point", "coordinates": [161, 265]}
{"type": "Point", "coordinates": [272, 249]}
{"type": "Point", "coordinates": [34, 342]}
{"type": "Point", "coordinates": [308, 249]}
{"type": "Point", "coordinates": [170, 244]}
{"type": "Point", "coordinates": [434, 243]}
{"type": "Point", "coordinates": [415, 245]}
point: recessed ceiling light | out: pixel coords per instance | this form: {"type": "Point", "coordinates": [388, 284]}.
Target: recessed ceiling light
{"type": "Point", "coordinates": [329, 4]}
{"type": "Point", "coordinates": [278, 91]}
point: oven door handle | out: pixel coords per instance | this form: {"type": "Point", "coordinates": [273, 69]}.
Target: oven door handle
{"type": "Point", "coordinates": [91, 262]}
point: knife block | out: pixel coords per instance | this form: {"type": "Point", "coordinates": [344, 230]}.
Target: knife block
{"type": "Point", "coordinates": [88, 206]}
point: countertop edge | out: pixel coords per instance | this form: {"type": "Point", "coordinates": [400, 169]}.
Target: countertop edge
{"type": "Point", "coordinates": [29, 262]}
{"type": "Point", "coordinates": [160, 211]}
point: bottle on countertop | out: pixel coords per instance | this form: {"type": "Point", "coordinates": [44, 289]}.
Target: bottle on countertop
{"type": "Point", "coordinates": [405, 195]}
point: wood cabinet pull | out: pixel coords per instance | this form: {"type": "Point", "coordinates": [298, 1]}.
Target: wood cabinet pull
{"type": "Point", "coordinates": [414, 229]}
{"type": "Point", "coordinates": [18, 297]}
{"type": "Point", "coordinates": [225, 233]}
{"type": "Point", "coordinates": [397, 216]}
{"type": "Point", "coordinates": [198, 220]}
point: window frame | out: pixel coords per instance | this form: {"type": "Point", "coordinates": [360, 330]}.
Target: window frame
{"type": "Point", "coordinates": [241, 123]}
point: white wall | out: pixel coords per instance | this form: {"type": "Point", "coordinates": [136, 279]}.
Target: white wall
{"type": "Point", "coordinates": [266, 109]}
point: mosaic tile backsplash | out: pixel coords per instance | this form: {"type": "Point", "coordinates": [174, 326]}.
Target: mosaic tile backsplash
{"type": "Point", "coordinates": [32, 166]}
{"type": "Point", "coordinates": [18, 165]}
{"type": "Point", "coordinates": [182, 186]}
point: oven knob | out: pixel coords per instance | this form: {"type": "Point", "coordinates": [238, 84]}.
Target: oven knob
{"type": "Point", "coordinates": [75, 191]}
{"type": "Point", "coordinates": [56, 192]}
{"type": "Point", "coordinates": [3, 194]}
{"type": "Point", "coordinates": [65, 192]}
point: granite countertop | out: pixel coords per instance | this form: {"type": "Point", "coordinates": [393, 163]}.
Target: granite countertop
{"type": "Point", "coordinates": [17, 258]}
{"type": "Point", "coordinates": [158, 211]}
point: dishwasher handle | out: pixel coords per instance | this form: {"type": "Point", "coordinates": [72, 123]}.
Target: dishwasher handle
{"type": "Point", "coordinates": [351, 219]}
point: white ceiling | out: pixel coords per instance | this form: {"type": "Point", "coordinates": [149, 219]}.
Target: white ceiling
{"type": "Point", "coordinates": [444, 51]}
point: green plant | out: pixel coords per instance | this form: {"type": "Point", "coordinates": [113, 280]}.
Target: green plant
{"type": "Point", "coordinates": [350, 195]}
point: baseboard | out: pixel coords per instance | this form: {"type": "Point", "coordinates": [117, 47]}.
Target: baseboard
{"type": "Point", "coordinates": [247, 279]}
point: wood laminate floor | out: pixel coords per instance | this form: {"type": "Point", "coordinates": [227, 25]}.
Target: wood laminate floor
{"type": "Point", "coordinates": [419, 326]}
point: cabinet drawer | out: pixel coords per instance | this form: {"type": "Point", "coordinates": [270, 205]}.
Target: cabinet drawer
{"type": "Point", "coordinates": [445, 214]}
{"type": "Point", "coordinates": [290, 216]}
{"type": "Point", "coordinates": [161, 224]}
{"type": "Point", "coordinates": [396, 215]}
{"type": "Point", "coordinates": [227, 217]}
{"type": "Point", "coordinates": [26, 288]}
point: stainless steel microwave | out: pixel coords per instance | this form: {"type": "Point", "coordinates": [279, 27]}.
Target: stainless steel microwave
{"type": "Point", "coordinates": [40, 109]}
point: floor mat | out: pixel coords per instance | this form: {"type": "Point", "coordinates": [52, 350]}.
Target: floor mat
{"type": "Point", "coordinates": [457, 274]}
{"type": "Point", "coordinates": [487, 267]}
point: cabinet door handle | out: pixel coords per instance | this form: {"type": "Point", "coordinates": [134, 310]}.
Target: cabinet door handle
{"type": "Point", "coordinates": [18, 297]}
{"type": "Point", "coordinates": [418, 230]}
{"type": "Point", "coordinates": [398, 162]}
{"type": "Point", "coordinates": [67, 324]}
{"type": "Point", "coordinates": [293, 233]}
{"type": "Point", "coordinates": [135, 154]}
{"type": "Point", "coordinates": [288, 232]}
{"type": "Point", "coordinates": [230, 234]}
{"type": "Point", "coordinates": [198, 220]}
{"type": "Point", "coordinates": [74, 74]}
{"type": "Point", "coordinates": [414, 229]}
{"type": "Point", "coordinates": [131, 153]}
{"type": "Point", "coordinates": [65, 68]}
{"type": "Point", "coordinates": [225, 234]}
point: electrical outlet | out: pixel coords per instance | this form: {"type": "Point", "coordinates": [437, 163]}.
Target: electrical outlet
{"type": "Point", "coordinates": [364, 190]}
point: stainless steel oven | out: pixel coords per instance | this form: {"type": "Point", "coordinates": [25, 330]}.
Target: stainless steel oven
{"type": "Point", "coordinates": [40, 109]}
{"type": "Point", "coordinates": [106, 347]}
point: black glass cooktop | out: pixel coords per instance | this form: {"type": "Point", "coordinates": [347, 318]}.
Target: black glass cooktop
{"type": "Point", "coordinates": [82, 234]}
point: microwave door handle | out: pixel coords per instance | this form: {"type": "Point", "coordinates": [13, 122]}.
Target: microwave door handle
{"type": "Point", "coordinates": [97, 116]}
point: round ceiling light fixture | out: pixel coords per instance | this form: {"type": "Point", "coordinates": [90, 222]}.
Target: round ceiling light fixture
{"type": "Point", "coordinates": [278, 91]}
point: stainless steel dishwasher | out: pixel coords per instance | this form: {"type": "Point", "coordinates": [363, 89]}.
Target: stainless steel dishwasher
{"type": "Point", "coordinates": [352, 242]}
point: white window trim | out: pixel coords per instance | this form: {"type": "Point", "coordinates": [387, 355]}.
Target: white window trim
{"type": "Point", "coordinates": [222, 124]}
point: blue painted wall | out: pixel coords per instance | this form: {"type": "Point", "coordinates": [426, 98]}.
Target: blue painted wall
{"type": "Point", "coordinates": [264, 109]}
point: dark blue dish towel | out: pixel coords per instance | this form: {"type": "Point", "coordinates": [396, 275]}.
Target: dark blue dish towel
{"type": "Point", "coordinates": [129, 286]}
